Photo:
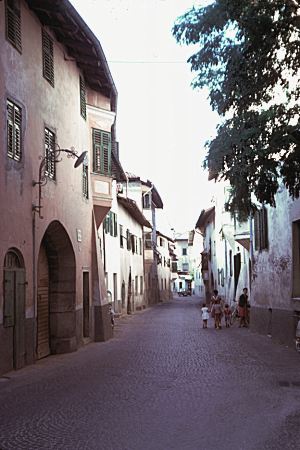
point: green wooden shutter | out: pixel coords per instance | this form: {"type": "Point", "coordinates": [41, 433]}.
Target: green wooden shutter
{"type": "Point", "coordinates": [9, 301]}
{"type": "Point", "coordinates": [105, 153]}
{"type": "Point", "coordinates": [82, 93]}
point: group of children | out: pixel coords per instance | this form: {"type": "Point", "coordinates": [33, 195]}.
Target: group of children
{"type": "Point", "coordinates": [217, 312]}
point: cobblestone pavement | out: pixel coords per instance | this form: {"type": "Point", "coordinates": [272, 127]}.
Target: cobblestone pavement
{"type": "Point", "coordinates": [162, 383]}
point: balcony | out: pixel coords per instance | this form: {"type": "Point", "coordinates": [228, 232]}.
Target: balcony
{"type": "Point", "coordinates": [102, 195]}
{"type": "Point", "coordinates": [242, 234]}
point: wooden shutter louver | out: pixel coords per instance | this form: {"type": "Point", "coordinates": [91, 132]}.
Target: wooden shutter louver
{"type": "Point", "coordinates": [49, 154]}
{"type": "Point", "coordinates": [48, 61]}
{"type": "Point", "coordinates": [14, 130]}
{"type": "Point", "coordinates": [82, 97]}
{"type": "Point", "coordinates": [102, 152]}
{"type": "Point", "coordinates": [13, 24]}
{"type": "Point", "coordinates": [85, 181]}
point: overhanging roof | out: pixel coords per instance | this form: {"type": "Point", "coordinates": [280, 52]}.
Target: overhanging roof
{"type": "Point", "coordinates": [132, 208]}
{"type": "Point", "coordinates": [69, 28]}
{"type": "Point", "coordinates": [205, 214]}
{"type": "Point", "coordinates": [163, 235]}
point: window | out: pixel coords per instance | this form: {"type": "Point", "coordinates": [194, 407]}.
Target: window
{"type": "Point", "coordinates": [102, 152]}
{"type": "Point", "coordinates": [184, 251]}
{"type": "Point", "coordinates": [161, 242]}
{"type": "Point", "coordinates": [13, 23]}
{"type": "Point", "coordinates": [136, 285]}
{"type": "Point", "coordinates": [49, 154]}
{"type": "Point", "coordinates": [141, 285]}
{"type": "Point", "coordinates": [174, 266]}
{"type": "Point", "coordinates": [185, 267]}
{"type": "Point", "coordinates": [121, 236]}
{"type": "Point", "coordinates": [85, 180]}
{"type": "Point", "coordinates": [146, 201]}
{"type": "Point", "coordinates": [148, 240]}
{"type": "Point", "coordinates": [48, 62]}
{"type": "Point", "coordinates": [134, 244]}
{"type": "Point", "coordinates": [82, 92]}
{"type": "Point", "coordinates": [261, 229]}
{"type": "Point", "coordinates": [141, 250]}
{"type": "Point", "coordinates": [111, 224]}
{"type": "Point", "coordinates": [128, 239]}
{"type": "Point", "coordinates": [14, 131]}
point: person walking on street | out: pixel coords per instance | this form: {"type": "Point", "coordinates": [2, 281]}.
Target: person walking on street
{"type": "Point", "coordinates": [217, 312]}
{"type": "Point", "coordinates": [205, 315]}
{"type": "Point", "coordinates": [243, 308]}
{"type": "Point", "coordinates": [227, 315]}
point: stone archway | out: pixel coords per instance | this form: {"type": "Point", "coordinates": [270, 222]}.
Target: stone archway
{"type": "Point", "coordinates": [56, 293]}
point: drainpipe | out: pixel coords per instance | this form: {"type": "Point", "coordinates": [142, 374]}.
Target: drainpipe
{"type": "Point", "coordinates": [34, 291]}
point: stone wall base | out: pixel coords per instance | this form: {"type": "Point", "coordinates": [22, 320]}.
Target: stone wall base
{"type": "Point", "coordinates": [102, 325]}
{"type": "Point", "coordinates": [279, 324]}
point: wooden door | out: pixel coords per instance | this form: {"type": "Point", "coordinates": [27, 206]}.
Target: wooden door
{"type": "Point", "coordinates": [43, 325]}
{"type": "Point", "coordinates": [86, 305]}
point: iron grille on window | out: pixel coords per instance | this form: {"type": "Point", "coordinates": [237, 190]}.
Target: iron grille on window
{"type": "Point", "coordinates": [14, 130]}
{"type": "Point", "coordinates": [50, 157]}
{"type": "Point", "coordinates": [261, 229]}
{"type": "Point", "coordinates": [102, 152]}
{"type": "Point", "coordinates": [82, 97]}
{"type": "Point", "coordinates": [85, 181]}
{"type": "Point", "coordinates": [48, 62]}
{"type": "Point", "coordinates": [13, 23]}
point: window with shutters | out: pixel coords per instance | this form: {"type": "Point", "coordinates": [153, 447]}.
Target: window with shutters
{"type": "Point", "coordinates": [148, 240]}
{"type": "Point", "coordinates": [146, 201]}
{"type": "Point", "coordinates": [128, 238]}
{"type": "Point", "coordinates": [13, 23]}
{"type": "Point", "coordinates": [111, 224]}
{"type": "Point", "coordinates": [50, 163]}
{"type": "Point", "coordinates": [102, 152]}
{"type": "Point", "coordinates": [85, 180]}
{"type": "Point", "coordinates": [14, 131]}
{"type": "Point", "coordinates": [261, 229]}
{"type": "Point", "coordinates": [48, 60]}
{"type": "Point", "coordinates": [82, 91]}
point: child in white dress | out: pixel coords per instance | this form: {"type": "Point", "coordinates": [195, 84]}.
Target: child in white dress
{"type": "Point", "coordinates": [205, 315]}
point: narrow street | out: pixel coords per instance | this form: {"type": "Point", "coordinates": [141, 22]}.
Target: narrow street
{"type": "Point", "coordinates": [162, 383]}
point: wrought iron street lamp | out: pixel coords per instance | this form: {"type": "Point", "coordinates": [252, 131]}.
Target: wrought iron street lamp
{"type": "Point", "coordinates": [54, 157]}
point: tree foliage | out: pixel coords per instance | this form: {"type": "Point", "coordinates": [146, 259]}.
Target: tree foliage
{"type": "Point", "coordinates": [248, 55]}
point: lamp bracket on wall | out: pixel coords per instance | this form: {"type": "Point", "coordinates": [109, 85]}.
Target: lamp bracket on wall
{"type": "Point", "coordinates": [53, 157]}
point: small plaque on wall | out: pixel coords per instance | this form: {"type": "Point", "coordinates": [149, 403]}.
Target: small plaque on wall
{"type": "Point", "coordinates": [79, 234]}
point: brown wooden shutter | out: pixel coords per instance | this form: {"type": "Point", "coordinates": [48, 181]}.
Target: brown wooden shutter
{"type": "Point", "coordinates": [48, 60]}
{"type": "Point", "coordinates": [257, 230]}
{"type": "Point", "coordinates": [82, 97]}
{"type": "Point", "coordinates": [9, 301]}
{"type": "Point", "coordinates": [13, 23]}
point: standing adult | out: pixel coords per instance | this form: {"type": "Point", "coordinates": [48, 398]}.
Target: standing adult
{"type": "Point", "coordinates": [243, 308]}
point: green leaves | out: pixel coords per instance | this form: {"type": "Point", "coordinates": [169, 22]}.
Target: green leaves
{"type": "Point", "coordinates": [248, 54]}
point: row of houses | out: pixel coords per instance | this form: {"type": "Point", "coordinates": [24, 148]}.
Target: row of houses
{"type": "Point", "coordinates": [77, 231]}
{"type": "Point", "coordinates": [261, 253]}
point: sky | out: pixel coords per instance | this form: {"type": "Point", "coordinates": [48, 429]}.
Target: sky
{"type": "Point", "coordinates": [162, 123]}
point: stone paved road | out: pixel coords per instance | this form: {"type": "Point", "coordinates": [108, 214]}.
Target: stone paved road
{"type": "Point", "coordinates": [162, 383]}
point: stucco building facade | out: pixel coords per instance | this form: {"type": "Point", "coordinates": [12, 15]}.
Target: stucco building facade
{"type": "Point", "coordinates": [56, 93]}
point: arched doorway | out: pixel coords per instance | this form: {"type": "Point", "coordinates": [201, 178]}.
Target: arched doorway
{"type": "Point", "coordinates": [56, 293]}
{"type": "Point", "coordinates": [14, 305]}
